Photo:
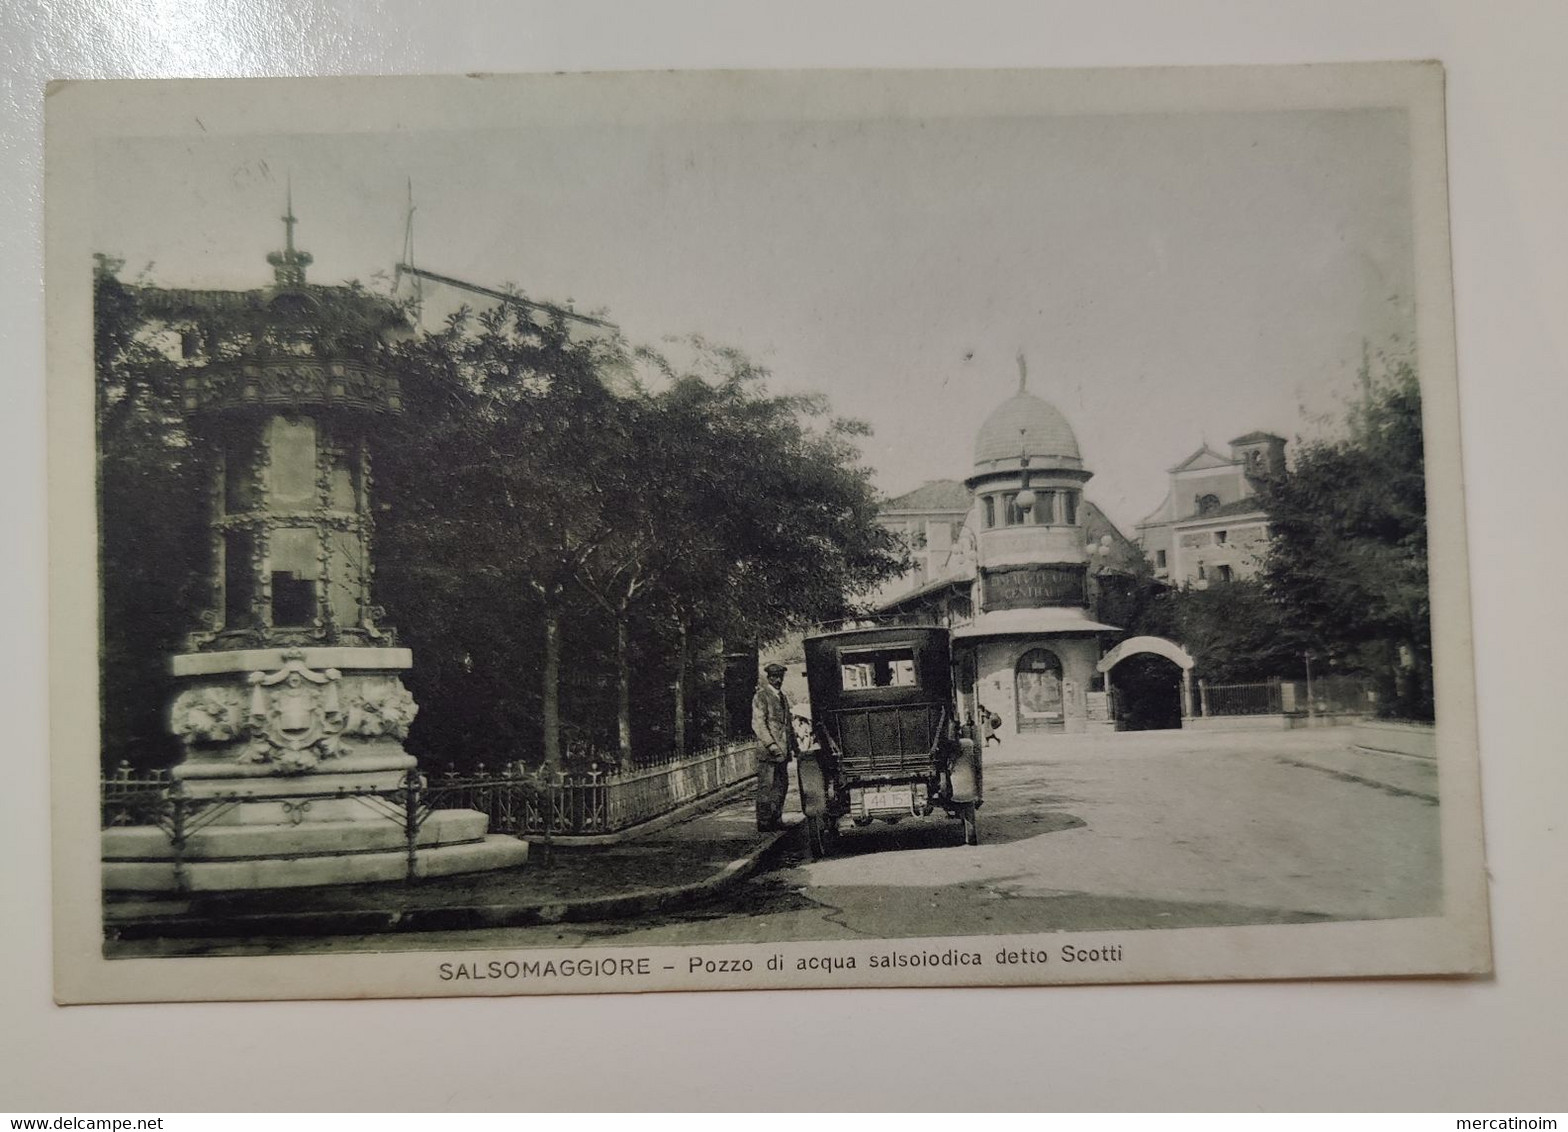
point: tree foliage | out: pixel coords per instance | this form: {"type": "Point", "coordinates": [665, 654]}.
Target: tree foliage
{"type": "Point", "coordinates": [1348, 559]}
{"type": "Point", "coordinates": [567, 553]}
{"type": "Point", "coordinates": [1236, 631]}
{"type": "Point", "coordinates": [773, 494]}
{"type": "Point", "coordinates": [1345, 578]}
{"type": "Point", "coordinates": [153, 543]}
{"type": "Point", "coordinates": [567, 550]}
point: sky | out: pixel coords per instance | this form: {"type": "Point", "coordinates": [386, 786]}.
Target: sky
{"type": "Point", "coordinates": [1171, 278]}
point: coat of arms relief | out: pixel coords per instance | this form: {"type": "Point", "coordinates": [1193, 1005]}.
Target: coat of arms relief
{"type": "Point", "coordinates": [294, 717]}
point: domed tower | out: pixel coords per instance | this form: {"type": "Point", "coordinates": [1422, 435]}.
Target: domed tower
{"type": "Point", "coordinates": [1029, 654]}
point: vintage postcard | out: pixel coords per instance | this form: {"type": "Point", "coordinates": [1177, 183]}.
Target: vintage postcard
{"type": "Point", "coordinates": [731, 530]}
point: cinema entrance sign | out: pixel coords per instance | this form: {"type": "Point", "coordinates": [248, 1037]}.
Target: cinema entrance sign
{"type": "Point", "coordinates": [1033, 586]}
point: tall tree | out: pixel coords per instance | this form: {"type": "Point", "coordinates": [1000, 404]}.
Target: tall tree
{"type": "Point", "coordinates": [782, 490]}
{"type": "Point", "coordinates": [505, 473]}
{"type": "Point", "coordinates": [151, 495]}
{"type": "Point", "coordinates": [772, 511]}
{"type": "Point", "coordinates": [707, 510]}
{"type": "Point", "coordinates": [740, 513]}
{"type": "Point", "coordinates": [1348, 559]}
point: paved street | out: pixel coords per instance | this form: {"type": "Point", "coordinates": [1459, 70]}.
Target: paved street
{"type": "Point", "coordinates": [1164, 829]}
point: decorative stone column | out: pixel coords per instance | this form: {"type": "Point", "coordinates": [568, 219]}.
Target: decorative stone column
{"type": "Point", "coordinates": [291, 709]}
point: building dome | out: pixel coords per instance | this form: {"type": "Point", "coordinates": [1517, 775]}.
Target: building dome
{"type": "Point", "coordinates": [1045, 434]}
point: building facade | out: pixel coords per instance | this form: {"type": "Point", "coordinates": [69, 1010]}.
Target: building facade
{"type": "Point", "coordinates": [929, 521]}
{"type": "Point", "coordinates": [1211, 526]}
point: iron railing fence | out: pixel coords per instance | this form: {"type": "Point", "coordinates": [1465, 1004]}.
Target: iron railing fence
{"type": "Point", "coordinates": [593, 800]}
{"type": "Point", "coordinates": [1240, 699]}
{"type": "Point", "coordinates": [517, 801]}
{"type": "Point", "coordinates": [133, 797]}
{"type": "Point", "coordinates": [1334, 695]}
{"type": "Point", "coordinates": [165, 803]}
{"type": "Point", "coordinates": [1328, 695]}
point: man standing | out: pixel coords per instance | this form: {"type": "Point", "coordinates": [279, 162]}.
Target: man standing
{"type": "Point", "coordinates": [772, 724]}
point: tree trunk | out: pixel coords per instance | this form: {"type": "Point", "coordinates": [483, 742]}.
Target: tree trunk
{"type": "Point", "coordinates": [550, 698]}
{"type": "Point", "coordinates": [623, 690]}
{"type": "Point", "coordinates": [680, 686]}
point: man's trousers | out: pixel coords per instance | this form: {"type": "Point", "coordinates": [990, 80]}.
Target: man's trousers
{"type": "Point", "coordinates": [772, 786]}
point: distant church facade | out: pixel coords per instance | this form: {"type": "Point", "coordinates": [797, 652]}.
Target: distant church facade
{"type": "Point", "coordinates": [1212, 526]}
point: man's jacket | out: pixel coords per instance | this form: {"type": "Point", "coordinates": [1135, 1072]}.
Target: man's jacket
{"type": "Point", "coordinates": [771, 723]}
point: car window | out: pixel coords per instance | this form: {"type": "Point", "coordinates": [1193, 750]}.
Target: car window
{"type": "Point", "coordinates": [878, 668]}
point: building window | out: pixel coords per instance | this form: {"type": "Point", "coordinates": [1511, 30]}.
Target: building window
{"type": "Point", "coordinates": [1159, 560]}
{"type": "Point", "coordinates": [239, 579]}
{"type": "Point", "coordinates": [1070, 508]}
{"type": "Point", "coordinates": [293, 468]}
{"type": "Point", "coordinates": [346, 574]}
{"type": "Point", "coordinates": [1014, 514]}
{"type": "Point", "coordinates": [990, 511]}
{"type": "Point", "coordinates": [1208, 504]}
{"type": "Point", "coordinates": [1225, 573]}
{"type": "Point", "coordinates": [296, 568]}
{"type": "Point", "coordinates": [343, 484]}
{"type": "Point", "coordinates": [1219, 538]}
{"type": "Point", "coordinates": [240, 491]}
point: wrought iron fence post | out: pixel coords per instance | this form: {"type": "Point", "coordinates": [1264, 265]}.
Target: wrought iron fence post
{"type": "Point", "coordinates": [596, 803]}
{"type": "Point", "coordinates": [543, 786]}
{"type": "Point", "coordinates": [182, 879]}
{"type": "Point", "coordinates": [411, 820]}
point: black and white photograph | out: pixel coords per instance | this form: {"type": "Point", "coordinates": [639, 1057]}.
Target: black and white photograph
{"type": "Point", "coordinates": [744, 530]}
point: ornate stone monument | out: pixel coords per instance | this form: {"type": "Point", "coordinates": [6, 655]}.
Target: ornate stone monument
{"type": "Point", "coordinates": [291, 710]}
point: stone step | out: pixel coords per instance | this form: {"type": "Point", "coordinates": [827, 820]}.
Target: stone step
{"type": "Point", "coordinates": [308, 838]}
{"type": "Point", "coordinates": [303, 872]}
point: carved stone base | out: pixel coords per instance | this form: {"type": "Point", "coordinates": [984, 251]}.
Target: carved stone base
{"type": "Point", "coordinates": [294, 763]}
{"type": "Point", "coordinates": [139, 859]}
{"type": "Point", "coordinates": [278, 713]}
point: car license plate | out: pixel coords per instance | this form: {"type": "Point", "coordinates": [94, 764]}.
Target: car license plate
{"type": "Point", "coordinates": [877, 801]}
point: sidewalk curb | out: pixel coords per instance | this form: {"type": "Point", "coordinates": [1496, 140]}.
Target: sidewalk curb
{"type": "Point", "coordinates": [369, 921]}
{"type": "Point", "coordinates": [1393, 754]}
{"type": "Point", "coordinates": [1364, 780]}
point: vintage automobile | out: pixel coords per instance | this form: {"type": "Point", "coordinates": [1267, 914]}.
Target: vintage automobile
{"type": "Point", "coordinates": [886, 740]}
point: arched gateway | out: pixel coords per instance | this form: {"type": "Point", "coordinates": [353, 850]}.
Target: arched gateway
{"type": "Point", "coordinates": [1157, 646]}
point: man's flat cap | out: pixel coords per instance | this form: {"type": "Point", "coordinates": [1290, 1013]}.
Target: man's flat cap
{"type": "Point", "coordinates": [775, 669]}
